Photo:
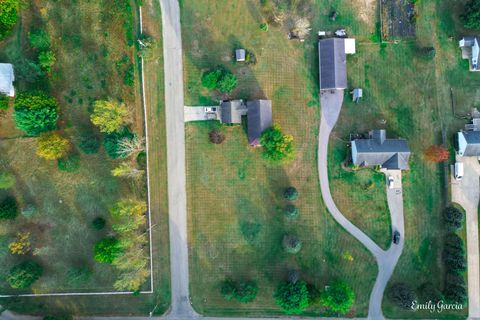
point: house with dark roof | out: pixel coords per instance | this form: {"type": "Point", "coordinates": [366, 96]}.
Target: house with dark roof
{"type": "Point", "coordinates": [259, 118]}
{"type": "Point", "coordinates": [471, 51]}
{"type": "Point", "coordinates": [333, 62]}
{"type": "Point", "coordinates": [377, 150]}
{"type": "Point", "coordinates": [231, 112]}
{"type": "Point", "coordinates": [6, 79]}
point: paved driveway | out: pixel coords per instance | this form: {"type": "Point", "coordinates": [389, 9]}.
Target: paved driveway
{"type": "Point", "coordinates": [466, 193]}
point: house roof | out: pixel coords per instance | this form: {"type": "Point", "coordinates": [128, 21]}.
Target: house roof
{"type": "Point", "coordinates": [470, 50]}
{"type": "Point", "coordinates": [259, 118]}
{"type": "Point", "coordinates": [377, 150]}
{"type": "Point", "coordinates": [473, 143]}
{"type": "Point", "coordinates": [332, 64]}
{"type": "Point", "coordinates": [6, 79]}
{"type": "Point", "coordinates": [232, 111]}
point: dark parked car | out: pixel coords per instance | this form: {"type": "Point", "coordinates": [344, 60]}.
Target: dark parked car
{"type": "Point", "coordinates": [396, 237]}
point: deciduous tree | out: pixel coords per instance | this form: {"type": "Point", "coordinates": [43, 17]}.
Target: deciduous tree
{"type": "Point", "coordinates": [471, 15]}
{"type": "Point", "coordinates": [35, 113]}
{"type": "Point", "coordinates": [292, 297]}
{"type": "Point", "coordinates": [46, 60]}
{"type": "Point", "coordinates": [24, 274]}
{"type": "Point", "coordinates": [107, 250]}
{"type": "Point", "coordinates": [436, 154]}
{"type": "Point", "coordinates": [7, 180]}
{"type": "Point", "coordinates": [109, 116]}
{"type": "Point", "coordinates": [277, 147]}
{"type": "Point", "coordinates": [52, 146]}
{"type": "Point", "coordinates": [338, 297]}
{"type": "Point", "coordinates": [22, 244]}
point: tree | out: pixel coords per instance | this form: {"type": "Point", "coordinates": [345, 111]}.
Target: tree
{"type": "Point", "coordinates": [216, 136]}
{"type": "Point", "coordinates": [128, 146]}
{"type": "Point", "coordinates": [436, 154]}
{"type": "Point", "coordinates": [107, 250]}
{"type": "Point", "coordinates": [292, 244]}
{"type": "Point", "coordinates": [291, 211]}
{"type": "Point", "coordinates": [277, 147]}
{"type": "Point", "coordinates": [35, 113]}
{"type": "Point", "coordinates": [471, 15]}
{"type": "Point", "coordinates": [89, 143]}
{"type": "Point", "coordinates": [227, 82]}
{"type": "Point", "coordinates": [128, 215]}
{"type": "Point", "coordinates": [22, 244]}
{"type": "Point", "coordinates": [109, 116]}
{"type": "Point", "coordinates": [8, 208]}
{"type": "Point", "coordinates": [112, 142]}
{"type": "Point", "coordinates": [46, 60]}
{"type": "Point", "coordinates": [290, 194]}
{"type": "Point", "coordinates": [24, 274]}
{"type": "Point", "coordinates": [27, 70]}
{"type": "Point", "coordinates": [246, 291]}
{"type": "Point", "coordinates": [454, 253]}
{"type": "Point", "coordinates": [210, 79]}
{"type": "Point", "coordinates": [99, 223]}
{"type": "Point", "coordinates": [8, 17]}
{"type": "Point", "coordinates": [39, 39]}
{"type": "Point", "coordinates": [339, 297]}
{"type": "Point", "coordinates": [228, 289]}
{"type": "Point", "coordinates": [453, 218]}
{"type": "Point", "coordinates": [52, 146]}
{"type": "Point", "coordinates": [127, 170]}
{"type": "Point", "coordinates": [70, 163]}
{"type": "Point", "coordinates": [292, 297]}
{"type": "Point", "coordinates": [455, 289]}
{"type": "Point", "coordinates": [7, 180]}
{"type": "Point", "coordinates": [428, 291]}
{"type": "Point", "coordinates": [401, 295]}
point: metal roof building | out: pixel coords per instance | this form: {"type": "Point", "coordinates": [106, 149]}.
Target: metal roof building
{"type": "Point", "coordinates": [469, 143]}
{"type": "Point", "coordinates": [6, 79]}
{"type": "Point", "coordinates": [259, 118]}
{"type": "Point", "coordinates": [332, 64]}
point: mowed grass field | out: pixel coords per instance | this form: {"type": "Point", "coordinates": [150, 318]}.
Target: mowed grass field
{"type": "Point", "coordinates": [235, 203]}
{"type": "Point", "coordinates": [89, 46]}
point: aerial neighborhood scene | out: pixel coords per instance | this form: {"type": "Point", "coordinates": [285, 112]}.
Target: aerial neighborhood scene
{"type": "Point", "coordinates": [250, 159]}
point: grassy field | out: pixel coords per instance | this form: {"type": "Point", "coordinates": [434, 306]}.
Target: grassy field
{"type": "Point", "coordinates": [94, 48]}
{"type": "Point", "coordinates": [234, 198]}
{"type": "Point", "coordinates": [232, 191]}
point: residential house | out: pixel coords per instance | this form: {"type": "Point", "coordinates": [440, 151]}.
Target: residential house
{"type": "Point", "coordinates": [231, 112]}
{"type": "Point", "coordinates": [471, 51]}
{"type": "Point", "coordinates": [259, 118]}
{"type": "Point", "coordinates": [6, 79]}
{"type": "Point", "coordinates": [333, 62]}
{"type": "Point", "coordinates": [468, 140]}
{"type": "Point", "coordinates": [377, 150]}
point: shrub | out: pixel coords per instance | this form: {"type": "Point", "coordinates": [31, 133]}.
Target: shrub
{"type": "Point", "coordinates": [24, 274]}
{"type": "Point", "coordinates": [78, 275]}
{"type": "Point", "coordinates": [35, 113]}
{"type": "Point", "coordinates": [292, 297]}
{"type": "Point", "coordinates": [264, 26]}
{"type": "Point", "coordinates": [142, 160]}
{"type": "Point", "coordinates": [7, 180]}
{"type": "Point", "coordinates": [227, 82]}
{"type": "Point", "coordinates": [70, 163]}
{"type": "Point", "coordinates": [228, 289]}
{"type": "Point", "coordinates": [427, 53]}
{"type": "Point", "coordinates": [436, 153]}
{"type": "Point", "coordinates": [292, 244]}
{"type": "Point", "coordinates": [99, 223]}
{"type": "Point", "coordinates": [129, 76]}
{"type": "Point", "coordinates": [277, 147]}
{"type": "Point", "coordinates": [21, 245]}
{"type": "Point", "coordinates": [27, 70]}
{"type": "Point", "coordinates": [4, 102]}
{"type": "Point", "coordinates": [291, 211]}
{"type": "Point", "coordinates": [8, 208]}
{"type": "Point", "coordinates": [39, 39]}
{"type": "Point", "coordinates": [8, 17]}
{"type": "Point", "coordinates": [107, 250]}
{"type": "Point", "coordinates": [453, 253]}
{"type": "Point", "coordinates": [471, 15]}
{"type": "Point", "coordinates": [455, 288]}
{"type": "Point", "coordinates": [89, 143]}
{"type": "Point", "coordinates": [401, 295]}
{"type": "Point", "coordinates": [109, 116]}
{"type": "Point", "coordinates": [216, 136]}
{"type": "Point", "coordinates": [46, 60]}
{"type": "Point", "coordinates": [246, 291]}
{"type": "Point", "coordinates": [453, 218]}
{"type": "Point", "coordinates": [220, 79]}
{"type": "Point", "coordinates": [290, 194]}
{"type": "Point", "coordinates": [338, 297]}
{"type": "Point", "coordinates": [211, 78]}
{"type": "Point", "coordinates": [52, 146]}
{"type": "Point", "coordinates": [112, 142]}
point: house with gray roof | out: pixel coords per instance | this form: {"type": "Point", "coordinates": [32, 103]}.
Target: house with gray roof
{"type": "Point", "coordinates": [259, 118]}
{"type": "Point", "coordinates": [6, 79]}
{"type": "Point", "coordinates": [468, 143]}
{"type": "Point", "coordinates": [377, 150]}
{"type": "Point", "coordinates": [471, 51]}
{"type": "Point", "coordinates": [231, 112]}
{"type": "Point", "coordinates": [333, 62]}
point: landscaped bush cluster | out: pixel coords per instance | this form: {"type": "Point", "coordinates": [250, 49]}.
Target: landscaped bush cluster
{"type": "Point", "coordinates": [40, 41]}
{"type": "Point", "coordinates": [242, 291]}
{"type": "Point", "coordinates": [219, 79]}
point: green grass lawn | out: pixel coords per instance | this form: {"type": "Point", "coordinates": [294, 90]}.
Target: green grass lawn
{"type": "Point", "coordinates": [91, 47]}
{"type": "Point", "coordinates": [234, 198]}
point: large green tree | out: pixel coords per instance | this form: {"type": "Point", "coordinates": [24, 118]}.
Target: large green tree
{"type": "Point", "coordinates": [35, 112]}
{"type": "Point", "coordinates": [292, 297]}
{"type": "Point", "coordinates": [338, 297]}
{"type": "Point", "coordinates": [221, 79]}
{"type": "Point", "coordinates": [277, 147]}
{"type": "Point", "coordinates": [8, 16]}
{"type": "Point", "coordinates": [24, 274]}
{"type": "Point", "coordinates": [471, 15]}
{"type": "Point", "coordinates": [107, 250]}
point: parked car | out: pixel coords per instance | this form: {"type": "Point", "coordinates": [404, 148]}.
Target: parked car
{"type": "Point", "coordinates": [396, 237]}
{"type": "Point", "coordinates": [458, 170]}
{"type": "Point", "coordinates": [210, 109]}
{"type": "Point", "coordinates": [390, 182]}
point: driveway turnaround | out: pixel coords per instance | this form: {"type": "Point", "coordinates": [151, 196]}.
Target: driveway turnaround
{"type": "Point", "coordinates": [331, 104]}
{"type": "Point", "coordinates": [466, 192]}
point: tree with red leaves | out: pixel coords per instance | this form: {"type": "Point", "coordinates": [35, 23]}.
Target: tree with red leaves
{"type": "Point", "coordinates": [436, 154]}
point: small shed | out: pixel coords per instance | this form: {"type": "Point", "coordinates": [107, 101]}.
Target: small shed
{"type": "Point", "coordinates": [349, 46]}
{"type": "Point", "coordinates": [240, 55]}
{"type": "Point", "coordinates": [357, 93]}
{"type": "Point", "coordinates": [6, 79]}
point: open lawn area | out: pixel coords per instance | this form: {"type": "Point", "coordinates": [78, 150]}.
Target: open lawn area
{"type": "Point", "coordinates": [96, 58]}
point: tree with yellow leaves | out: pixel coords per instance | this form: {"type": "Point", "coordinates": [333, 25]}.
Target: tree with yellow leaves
{"type": "Point", "coordinates": [52, 146]}
{"type": "Point", "coordinates": [22, 244]}
{"type": "Point", "coordinates": [109, 116]}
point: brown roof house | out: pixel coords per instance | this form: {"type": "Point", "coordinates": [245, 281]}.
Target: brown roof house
{"type": "Point", "coordinates": [259, 118]}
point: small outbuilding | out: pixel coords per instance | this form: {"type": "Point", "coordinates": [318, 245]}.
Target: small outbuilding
{"type": "Point", "coordinates": [231, 112]}
{"type": "Point", "coordinates": [6, 79]}
{"type": "Point", "coordinates": [471, 51]}
{"type": "Point", "coordinates": [259, 118]}
{"type": "Point", "coordinates": [357, 93]}
{"type": "Point", "coordinates": [240, 55]}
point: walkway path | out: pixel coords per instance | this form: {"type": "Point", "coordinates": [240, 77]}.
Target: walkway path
{"type": "Point", "coordinates": [331, 104]}
{"type": "Point", "coordinates": [466, 193]}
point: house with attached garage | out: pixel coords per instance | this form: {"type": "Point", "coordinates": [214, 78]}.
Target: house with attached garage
{"type": "Point", "coordinates": [377, 150]}
{"type": "Point", "coordinates": [471, 51]}
{"type": "Point", "coordinates": [333, 62]}
{"type": "Point", "coordinates": [468, 140]}
{"type": "Point", "coordinates": [6, 79]}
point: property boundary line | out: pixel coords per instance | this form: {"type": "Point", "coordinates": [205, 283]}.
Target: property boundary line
{"type": "Point", "coordinates": [59, 294]}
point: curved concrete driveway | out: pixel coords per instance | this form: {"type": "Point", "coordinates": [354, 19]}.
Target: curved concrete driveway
{"type": "Point", "coordinates": [331, 104]}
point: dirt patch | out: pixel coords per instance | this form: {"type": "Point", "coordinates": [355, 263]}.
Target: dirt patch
{"type": "Point", "coordinates": [366, 11]}
{"type": "Point", "coordinates": [398, 19]}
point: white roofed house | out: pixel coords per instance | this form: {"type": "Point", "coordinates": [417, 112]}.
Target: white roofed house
{"type": "Point", "coordinates": [471, 51]}
{"type": "Point", "coordinates": [6, 79]}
